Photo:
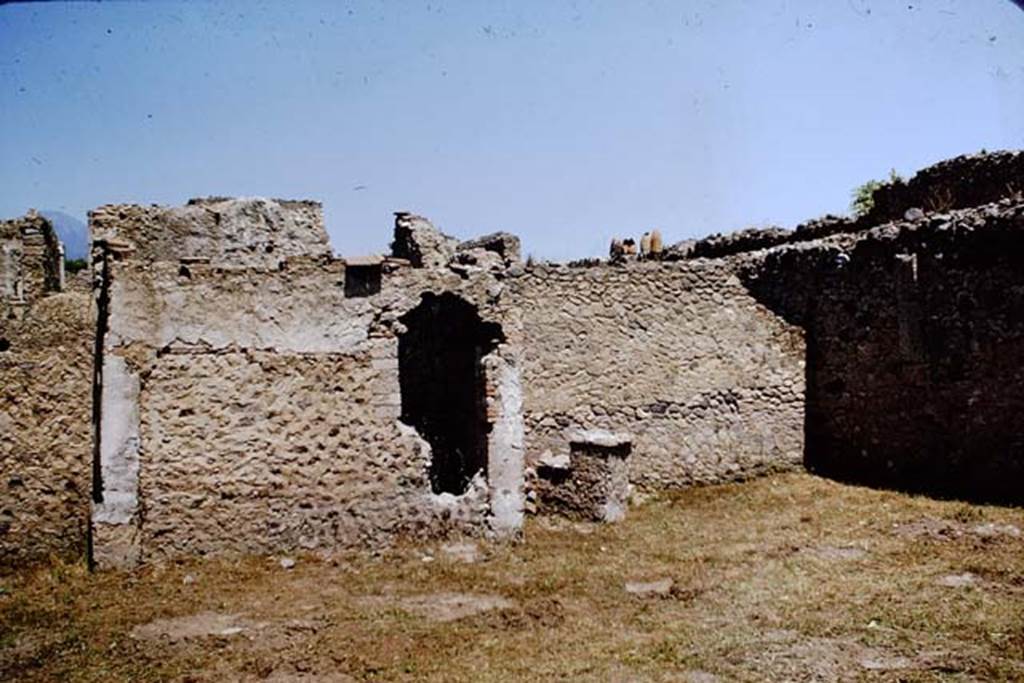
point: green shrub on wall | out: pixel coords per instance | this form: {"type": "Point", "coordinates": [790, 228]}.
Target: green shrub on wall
{"type": "Point", "coordinates": [864, 195]}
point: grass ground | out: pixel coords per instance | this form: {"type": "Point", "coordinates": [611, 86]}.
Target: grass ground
{"type": "Point", "coordinates": [784, 578]}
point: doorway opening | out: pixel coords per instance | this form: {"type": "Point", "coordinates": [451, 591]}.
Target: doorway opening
{"type": "Point", "coordinates": [443, 386]}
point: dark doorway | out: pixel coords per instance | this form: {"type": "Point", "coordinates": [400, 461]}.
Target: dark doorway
{"type": "Point", "coordinates": [443, 386]}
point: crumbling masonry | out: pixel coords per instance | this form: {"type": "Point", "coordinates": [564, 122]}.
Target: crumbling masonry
{"type": "Point", "coordinates": [232, 387]}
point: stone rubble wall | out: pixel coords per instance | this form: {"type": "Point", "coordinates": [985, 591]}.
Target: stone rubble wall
{"type": "Point", "coordinates": [915, 350]}
{"type": "Point", "coordinates": [708, 382]}
{"type": "Point", "coordinates": [31, 262]}
{"type": "Point", "coordinates": [267, 408]}
{"type": "Point", "coordinates": [240, 232]}
{"type": "Point", "coordinates": [46, 360]}
{"type": "Point", "coordinates": [959, 183]}
{"type": "Point", "coordinates": [248, 403]}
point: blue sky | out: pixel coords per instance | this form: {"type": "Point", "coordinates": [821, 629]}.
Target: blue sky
{"type": "Point", "coordinates": [564, 122]}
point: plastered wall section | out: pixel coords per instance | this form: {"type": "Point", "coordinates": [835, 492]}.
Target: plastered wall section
{"type": "Point", "coordinates": [248, 231]}
{"type": "Point", "coordinates": [45, 429]}
{"type": "Point", "coordinates": [707, 381]}
{"type": "Point", "coordinates": [267, 408]}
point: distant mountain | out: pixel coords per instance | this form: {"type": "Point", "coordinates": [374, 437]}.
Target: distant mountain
{"type": "Point", "coordinates": [72, 232]}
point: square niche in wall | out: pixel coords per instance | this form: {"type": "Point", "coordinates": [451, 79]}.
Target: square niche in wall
{"type": "Point", "coordinates": [362, 277]}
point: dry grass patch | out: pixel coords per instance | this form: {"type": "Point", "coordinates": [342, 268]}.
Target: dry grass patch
{"type": "Point", "coordinates": [787, 578]}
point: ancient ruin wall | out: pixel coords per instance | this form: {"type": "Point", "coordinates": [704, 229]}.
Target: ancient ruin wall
{"type": "Point", "coordinates": [31, 262]}
{"type": "Point", "coordinates": [915, 350]}
{"type": "Point", "coordinates": [959, 183]}
{"type": "Point", "coordinates": [46, 350]}
{"type": "Point", "coordinates": [254, 409]}
{"type": "Point", "coordinates": [708, 382]}
{"type": "Point", "coordinates": [236, 232]}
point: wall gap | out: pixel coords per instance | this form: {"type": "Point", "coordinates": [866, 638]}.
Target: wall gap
{"type": "Point", "coordinates": [443, 386]}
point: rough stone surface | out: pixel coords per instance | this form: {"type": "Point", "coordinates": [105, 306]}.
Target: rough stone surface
{"type": "Point", "coordinates": [268, 404]}
{"type": "Point", "coordinates": [31, 263]}
{"type": "Point", "coordinates": [595, 486]}
{"type": "Point", "coordinates": [958, 183]}
{"type": "Point", "coordinates": [240, 232]}
{"type": "Point", "coordinates": [915, 350]}
{"type": "Point", "coordinates": [417, 240]}
{"type": "Point", "coordinates": [46, 429]}
{"type": "Point", "coordinates": [249, 395]}
{"type": "Point", "coordinates": [707, 381]}
{"type": "Point", "coordinates": [505, 245]}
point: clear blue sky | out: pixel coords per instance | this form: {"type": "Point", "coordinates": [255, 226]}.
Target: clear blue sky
{"type": "Point", "coordinates": [565, 122]}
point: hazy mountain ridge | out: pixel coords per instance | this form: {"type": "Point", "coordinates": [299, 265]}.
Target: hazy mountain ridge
{"type": "Point", "coordinates": [73, 232]}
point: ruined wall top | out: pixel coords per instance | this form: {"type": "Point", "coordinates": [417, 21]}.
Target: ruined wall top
{"type": "Point", "coordinates": [958, 183]}
{"type": "Point", "coordinates": [31, 259]}
{"type": "Point", "coordinates": [424, 246]}
{"type": "Point", "coordinates": [231, 232]}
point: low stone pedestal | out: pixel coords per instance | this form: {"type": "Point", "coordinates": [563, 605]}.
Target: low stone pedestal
{"type": "Point", "coordinates": [592, 482]}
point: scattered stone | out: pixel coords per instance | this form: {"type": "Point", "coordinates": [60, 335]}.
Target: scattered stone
{"type": "Point", "coordinates": [930, 527]}
{"type": "Point", "coordinates": [697, 676]}
{"type": "Point", "coordinates": [188, 580]}
{"type": "Point", "coordinates": [649, 588]}
{"type": "Point", "coordinates": [882, 662]}
{"type": "Point", "coordinates": [445, 606]}
{"type": "Point", "coordinates": [465, 551]}
{"type": "Point", "coordinates": [958, 580]}
{"type": "Point", "coordinates": [838, 553]}
{"type": "Point", "coordinates": [287, 563]}
{"type": "Point", "coordinates": [944, 529]}
{"type": "Point", "coordinates": [308, 677]}
{"type": "Point", "coordinates": [992, 530]}
{"type": "Point", "coordinates": [195, 626]}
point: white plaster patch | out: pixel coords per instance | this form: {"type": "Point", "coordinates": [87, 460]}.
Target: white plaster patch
{"type": "Point", "coordinates": [119, 443]}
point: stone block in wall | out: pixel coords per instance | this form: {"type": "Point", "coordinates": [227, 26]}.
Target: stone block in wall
{"type": "Point", "coordinates": [116, 545]}
{"type": "Point", "coordinates": [504, 244]}
{"type": "Point", "coordinates": [592, 483]}
{"type": "Point", "coordinates": [418, 241]}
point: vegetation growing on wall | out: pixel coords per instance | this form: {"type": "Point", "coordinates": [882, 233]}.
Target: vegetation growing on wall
{"type": "Point", "coordinates": [863, 197]}
{"type": "Point", "coordinates": [74, 265]}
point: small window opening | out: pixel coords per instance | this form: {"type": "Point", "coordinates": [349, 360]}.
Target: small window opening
{"type": "Point", "coordinates": [362, 280]}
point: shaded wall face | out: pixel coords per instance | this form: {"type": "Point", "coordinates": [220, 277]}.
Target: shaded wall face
{"type": "Point", "coordinates": [916, 367]}
{"type": "Point", "coordinates": [31, 262]}
{"type": "Point", "coordinates": [708, 382]}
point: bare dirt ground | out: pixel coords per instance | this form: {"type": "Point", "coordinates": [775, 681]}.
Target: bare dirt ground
{"type": "Point", "coordinates": [788, 578]}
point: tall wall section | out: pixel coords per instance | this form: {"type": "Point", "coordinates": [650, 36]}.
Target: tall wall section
{"type": "Point", "coordinates": [708, 382]}
{"type": "Point", "coordinates": [915, 350]}
{"type": "Point", "coordinates": [46, 353]}
{"type": "Point", "coordinates": [250, 401]}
